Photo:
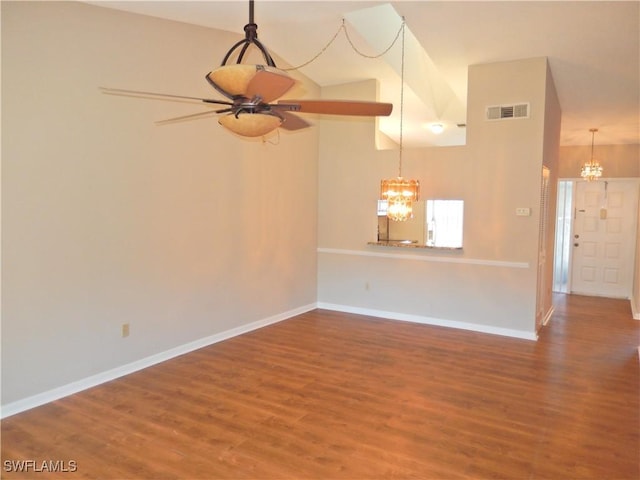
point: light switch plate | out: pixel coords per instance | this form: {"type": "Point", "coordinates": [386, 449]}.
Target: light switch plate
{"type": "Point", "coordinates": [523, 211]}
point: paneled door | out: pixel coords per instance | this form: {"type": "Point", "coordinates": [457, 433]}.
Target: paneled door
{"type": "Point", "coordinates": [604, 237]}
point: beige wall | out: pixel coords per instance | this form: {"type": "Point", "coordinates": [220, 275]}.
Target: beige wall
{"type": "Point", "coordinates": [107, 219]}
{"type": "Point", "coordinates": [182, 231]}
{"type": "Point", "coordinates": [551, 160]}
{"type": "Point", "coordinates": [618, 161]}
{"type": "Point", "coordinates": [491, 285]}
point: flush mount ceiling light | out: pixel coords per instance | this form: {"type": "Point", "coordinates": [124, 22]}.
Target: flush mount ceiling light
{"type": "Point", "coordinates": [399, 192]}
{"type": "Point", "coordinates": [436, 128]}
{"type": "Point", "coordinates": [250, 91]}
{"type": "Point", "coordinates": [591, 170]}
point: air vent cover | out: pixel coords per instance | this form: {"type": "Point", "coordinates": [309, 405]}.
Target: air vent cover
{"type": "Point", "coordinates": [507, 112]}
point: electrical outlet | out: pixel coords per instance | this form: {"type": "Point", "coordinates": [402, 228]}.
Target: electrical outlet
{"type": "Point", "coordinates": [125, 330]}
{"type": "Point", "coordinates": [523, 211]}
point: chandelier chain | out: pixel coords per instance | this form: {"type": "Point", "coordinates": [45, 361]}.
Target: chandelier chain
{"type": "Point", "coordinates": [592, 169]}
{"type": "Point", "coordinates": [319, 53]}
{"type": "Point", "coordinates": [343, 28]}
{"type": "Point", "coordinates": [355, 49]}
{"type": "Point", "coordinates": [401, 96]}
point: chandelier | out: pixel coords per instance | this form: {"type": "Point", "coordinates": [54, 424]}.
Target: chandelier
{"type": "Point", "coordinates": [399, 192]}
{"type": "Point", "coordinates": [592, 170]}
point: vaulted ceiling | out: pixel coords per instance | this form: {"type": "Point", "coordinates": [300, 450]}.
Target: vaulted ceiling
{"type": "Point", "coordinates": [593, 49]}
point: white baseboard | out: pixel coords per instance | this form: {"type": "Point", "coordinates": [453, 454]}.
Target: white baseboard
{"type": "Point", "coordinates": [94, 380]}
{"type": "Point", "coordinates": [507, 332]}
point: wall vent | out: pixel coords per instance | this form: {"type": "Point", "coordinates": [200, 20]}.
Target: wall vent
{"type": "Point", "coordinates": [507, 112]}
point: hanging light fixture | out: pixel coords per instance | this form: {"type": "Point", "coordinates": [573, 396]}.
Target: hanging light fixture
{"type": "Point", "coordinates": [399, 192]}
{"type": "Point", "coordinates": [591, 170]}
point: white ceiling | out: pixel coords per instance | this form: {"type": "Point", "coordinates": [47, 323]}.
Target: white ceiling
{"type": "Point", "coordinates": [593, 49]}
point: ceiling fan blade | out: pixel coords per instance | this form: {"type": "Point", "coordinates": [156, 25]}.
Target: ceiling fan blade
{"type": "Point", "coordinates": [293, 122]}
{"type": "Point", "coordinates": [269, 84]}
{"type": "Point", "coordinates": [159, 96]}
{"type": "Point", "coordinates": [337, 107]}
{"type": "Point", "coordinates": [193, 116]}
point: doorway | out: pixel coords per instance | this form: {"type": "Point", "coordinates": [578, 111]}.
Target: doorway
{"type": "Point", "coordinates": [596, 237]}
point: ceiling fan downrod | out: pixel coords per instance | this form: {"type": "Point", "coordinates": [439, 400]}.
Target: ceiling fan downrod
{"type": "Point", "coordinates": [251, 37]}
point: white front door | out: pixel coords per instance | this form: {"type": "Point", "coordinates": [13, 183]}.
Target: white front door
{"type": "Point", "coordinates": [604, 238]}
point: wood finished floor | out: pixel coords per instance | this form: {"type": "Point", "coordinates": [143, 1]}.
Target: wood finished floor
{"type": "Point", "coordinates": [329, 395]}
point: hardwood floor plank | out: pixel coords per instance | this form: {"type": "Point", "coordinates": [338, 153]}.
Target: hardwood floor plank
{"type": "Point", "coordinates": [327, 395]}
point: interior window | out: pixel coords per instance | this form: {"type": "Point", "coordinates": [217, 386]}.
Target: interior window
{"type": "Point", "coordinates": [444, 220]}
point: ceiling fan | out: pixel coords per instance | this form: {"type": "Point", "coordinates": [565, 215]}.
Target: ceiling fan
{"type": "Point", "coordinates": [250, 108]}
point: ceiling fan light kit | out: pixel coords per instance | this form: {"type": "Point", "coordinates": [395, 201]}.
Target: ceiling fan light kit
{"type": "Point", "coordinates": [232, 80]}
{"type": "Point", "coordinates": [251, 125]}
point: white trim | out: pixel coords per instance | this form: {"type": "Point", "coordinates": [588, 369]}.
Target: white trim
{"type": "Point", "coordinates": [94, 380]}
{"type": "Point", "coordinates": [601, 179]}
{"type": "Point", "coordinates": [547, 317]}
{"type": "Point", "coordinates": [507, 332]}
{"type": "Point", "coordinates": [424, 258]}
{"type": "Point", "coordinates": [634, 309]}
